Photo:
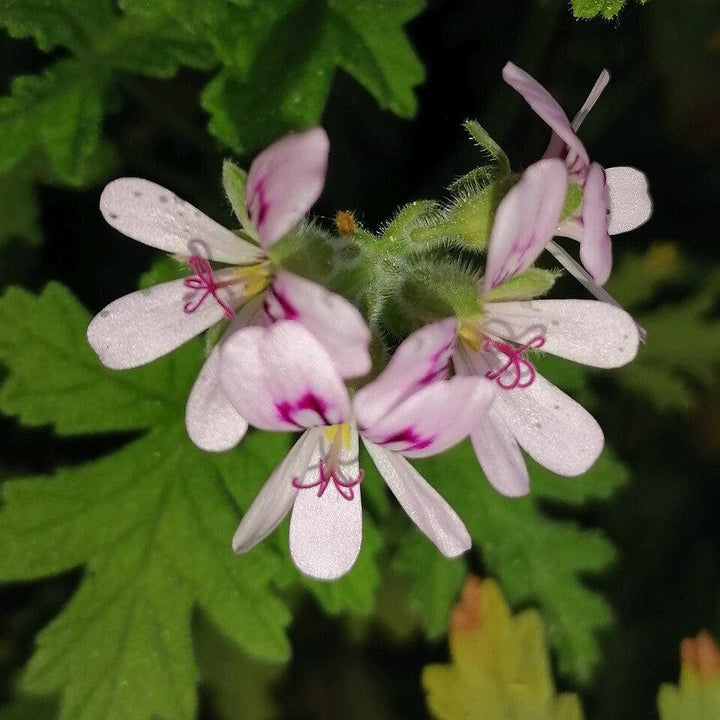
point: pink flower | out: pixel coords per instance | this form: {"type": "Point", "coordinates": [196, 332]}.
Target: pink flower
{"type": "Point", "coordinates": [281, 378]}
{"type": "Point", "coordinates": [283, 182]}
{"type": "Point", "coordinates": [614, 200]}
{"type": "Point", "coordinates": [528, 412]}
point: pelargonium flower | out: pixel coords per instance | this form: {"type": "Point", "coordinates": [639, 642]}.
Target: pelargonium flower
{"type": "Point", "coordinates": [615, 200]}
{"type": "Point", "coordinates": [281, 378]}
{"type": "Point", "coordinates": [282, 184]}
{"type": "Point", "coordinates": [528, 411]}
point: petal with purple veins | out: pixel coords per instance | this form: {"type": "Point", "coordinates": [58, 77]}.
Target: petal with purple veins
{"type": "Point", "coordinates": [525, 221]}
{"type": "Point", "coordinates": [281, 378]}
{"type": "Point", "coordinates": [284, 182]}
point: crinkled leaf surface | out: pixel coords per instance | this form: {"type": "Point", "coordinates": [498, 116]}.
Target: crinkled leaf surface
{"type": "Point", "coordinates": [435, 580]}
{"type": "Point", "coordinates": [539, 560]}
{"type": "Point", "coordinates": [605, 8]}
{"type": "Point", "coordinates": [500, 666]}
{"type": "Point", "coordinates": [61, 110]}
{"type": "Point", "coordinates": [151, 523]}
{"type": "Point", "coordinates": [288, 81]}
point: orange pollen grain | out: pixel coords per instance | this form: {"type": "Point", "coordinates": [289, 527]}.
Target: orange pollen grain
{"type": "Point", "coordinates": [466, 614]}
{"type": "Point", "coordinates": [701, 654]}
{"type": "Point", "coordinates": [345, 222]}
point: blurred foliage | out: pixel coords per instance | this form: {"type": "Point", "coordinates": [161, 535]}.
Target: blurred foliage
{"type": "Point", "coordinates": [137, 521]}
{"type": "Point", "coordinates": [697, 697]}
{"type": "Point", "coordinates": [500, 664]}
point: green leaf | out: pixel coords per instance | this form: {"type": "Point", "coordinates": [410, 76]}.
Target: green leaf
{"type": "Point", "coordinates": [288, 83]}
{"type": "Point", "coordinates": [56, 378]}
{"type": "Point", "coordinates": [668, 373]}
{"type": "Point", "coordinates": [592, 8]}
{"type": "Point", "coordinates": [537, 559]}
{"type": "Point", "coordinates": [151, 523]}
{"type": "Point", "coordinates": [66, 23]}
{"type": "Point", "coordinates": [435, 581]}
{"type": "Point", "coordinates": [61, 111]}
{"type": "Point", "coordinates": [241, 687]}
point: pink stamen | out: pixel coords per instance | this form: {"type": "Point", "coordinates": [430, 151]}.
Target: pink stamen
{"type": "Point", "coordinates": [205, 280]}
{"type": "Point", "coordinates": [344, 487]}
{"type": "Point", "coordinates": [515, 360]}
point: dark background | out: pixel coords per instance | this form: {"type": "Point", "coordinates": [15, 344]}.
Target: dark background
{"type": "Point", "coordinates": [661, 113]}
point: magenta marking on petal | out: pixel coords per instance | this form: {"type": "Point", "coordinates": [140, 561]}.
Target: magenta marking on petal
{"type": "Point", "coordinates": [258, 208]}
{"type": "Point", "coordinates": [205, 280]}
{"type": "Point", "coordinates": [287, 310]}
{"type": "Point", "coordinates": [439, 364]}
{"type": "Point", "coordinates": [287, 410]}
{"type": "Point", "coordinates": [515, 360]}
{"type": "Point", "coordinates": [328, 474]}
{"type": "Point", "coordinates": [410, 437]}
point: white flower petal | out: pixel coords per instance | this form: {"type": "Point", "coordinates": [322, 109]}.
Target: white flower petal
{"type": "Point", "coordinates": [421, 360]}
{"type": "Point", "coordinates": [275, 499]}
{"type": "Point", "coordinates": [212, 422]}
{"type": "Point", "coordinates": [334, 322]}
{"type": "Point", "coordinates": [281, 378]}
{"type": "Point", "coordinates": [144, 325]}
{"type": "Point", "coordinates": [554, 429]}
{"type": "Point", "coordinates": [499, 456]}
{"type": "Point", "coordinates": [585, 331]}
{"type": "Point", "coordinates": [525, 221]}
{"type": "Point", "coordinates": [326, 530]}
{"type": "Point", "coordinates": [628, 199]}
{"type": "Point", "coordinates": [150, 214]}
{"type": "Point", "coordinates": [424, 505]}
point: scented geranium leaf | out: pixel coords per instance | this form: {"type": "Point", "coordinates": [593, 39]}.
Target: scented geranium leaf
{"type": "Point", "coordinates": [18, 208]}
{"type": "Point", "coordinates": [599, 483]}
{"type": "Point", "coordinates": [67, 23]}
{"type": "Point", "coordinates": [241, 688]}
{"type": "Point", "coordinates": [55, 378]}
{"type": "Point", "coordinates": [669, 373]}
{"type": "Point", "coordinates": [538, 560]}
{"type": "Point", "coordinates": [606, 8]}
{"type": "Point", "coordinates": [234, 28]}
{"type": "Point", "coordinates": [61, 111]}
{"type": "Point", "coordinates": [29, 708]}
{"type": "Point", "coordinates": [697, 696]}
{"type": "Point", "coordinates": [500, 666]}
{"type": "Point", "coordinates": [151, 524]}
{"type": "Point", "coordinates": [289, 80]}
{"type": "Point", "coordinates": [435, 581]}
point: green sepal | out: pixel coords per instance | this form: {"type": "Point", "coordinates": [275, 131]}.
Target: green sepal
{"type": "Point", "coordinates": [489, 147]}
{"type": "Point", "coordinates": [399, 236]}
{"type": "Point", "coordinates": [533, 283]}
{"type": "Point", "coordinates": [306, 251]}
{"type": "Point", "coordinates": [431, 291]}
{"type": "Point", "coordinates": [573, 202]}
{"type": "Point", "coordinates": [234, 180]}
{"type": "Point", "coordinates": [469, 220]}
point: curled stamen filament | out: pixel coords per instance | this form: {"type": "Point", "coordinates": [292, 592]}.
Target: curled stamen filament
{"type": "Point", "coordinates": [515, 360]}
{"type": "Point", "coordinates": [204, 280]}
{"type": "Point", "coordinates": [329, 471]}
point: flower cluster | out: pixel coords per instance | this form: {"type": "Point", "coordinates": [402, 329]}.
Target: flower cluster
{"type": "Point", "coordinates": [309, 342]}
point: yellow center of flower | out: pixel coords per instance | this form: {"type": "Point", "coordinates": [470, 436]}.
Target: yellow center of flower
{"type": "Point", "coordinates": [469, 332]}
{"type": "Point", "coordinates": [254, 277]}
